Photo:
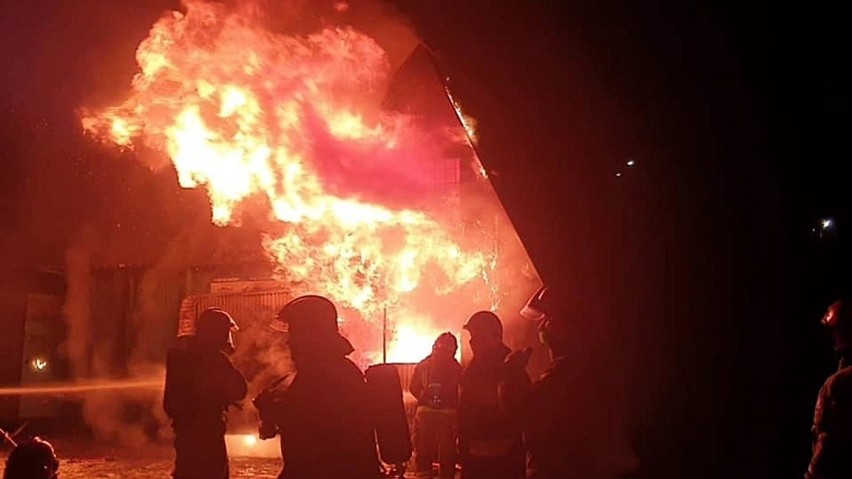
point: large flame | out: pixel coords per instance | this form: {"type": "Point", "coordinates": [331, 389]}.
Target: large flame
{"type": "Point", "coordinates": [296, 121]}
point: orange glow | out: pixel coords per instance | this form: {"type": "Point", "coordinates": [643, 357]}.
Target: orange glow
{"type": "Point", "coordinates": [412, 343]}
{"type": "Point", "coordinates": [38, 364]}
{"type": "Point", "coordinates": [249, 114]}
{"type": "Point", "coordinates": [248, 445]}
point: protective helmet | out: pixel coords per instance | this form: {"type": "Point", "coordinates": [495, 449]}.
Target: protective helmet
{"type": "Point", "coordinates": [838, 319]}
{"type": "Point", "coordinates": [446, 340]}
{"type": "Point", "coordinates": [539, 305]}
{"type": "Point", "coordinates": [34, 459]}
{"type": "Point", "coordinates": [214, 327]}
{"type": "Point", "coordinates": [485, 322]}
{"type": "Point", "coordinates": [312, 319]}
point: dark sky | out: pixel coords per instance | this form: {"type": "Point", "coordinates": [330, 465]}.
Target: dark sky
{"type": "Point", "coordinates": [695, 274]}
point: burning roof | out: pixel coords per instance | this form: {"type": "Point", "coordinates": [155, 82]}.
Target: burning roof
{"type": "Point", "coordinates": [356, 193]}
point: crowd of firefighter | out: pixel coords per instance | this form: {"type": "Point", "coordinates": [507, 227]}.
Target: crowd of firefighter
{"type": "Point", "coordinates": [489, 419]}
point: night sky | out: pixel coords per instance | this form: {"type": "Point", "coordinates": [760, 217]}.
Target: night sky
{"type": "Point", "coordinates": [695, 275]}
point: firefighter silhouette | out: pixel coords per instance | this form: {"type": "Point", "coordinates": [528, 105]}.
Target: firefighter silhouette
{"type": "Point", "coordinates": [201, 383]}
{"type": "Point", "coordinates": [490, 440]}
{"type": "Point", "coordinates": [435, 384]}
{"type": "Point", "coordinates": [322, 411]}
{"type": "Point", "coordinates": [33, 459]}
{"type": "Point", "coordinates": [832, 428]}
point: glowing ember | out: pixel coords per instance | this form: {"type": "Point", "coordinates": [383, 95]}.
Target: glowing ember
{"type": "Point", "coordinates": [295, 125]}
{"type": "Point", "coordinates": [468, 122]}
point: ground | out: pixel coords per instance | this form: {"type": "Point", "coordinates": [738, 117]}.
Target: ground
{"type": "Point", "coordinates": [99, 461]}
{"type": "Point", "coordinates": [88, 460]}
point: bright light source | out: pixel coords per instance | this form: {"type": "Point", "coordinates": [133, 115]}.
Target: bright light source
{"type": "Point", "coordinates": [618, 175]}
{"type": "Point", "coordinates": [631, 162]}
{"type": "Point", "coordinates": [38, 364]}
{"type": "Point", "coordinates": [827, 223]}
{"type": "Point", "coordinates": [249, 445]}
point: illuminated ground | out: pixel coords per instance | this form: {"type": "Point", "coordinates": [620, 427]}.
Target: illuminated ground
{"type": "Point", "coordinates": [98, 461]}
{"type": "Point", "coordinates": [93, 461]}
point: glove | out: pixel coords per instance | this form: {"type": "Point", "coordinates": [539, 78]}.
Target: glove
{"type": "Point", "coordinates": [518, 360]}
{"type": "Point", "coordinates": [265, 429]}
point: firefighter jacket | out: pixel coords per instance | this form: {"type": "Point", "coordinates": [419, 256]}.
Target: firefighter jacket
{"type": "Point", "coordinates": [832, 429]}
{"type": "Point", "coordinates": [489, 390]}
{"type": "Point", "coordinates": [201, 383]}
{"type": "Point", "coordinates": [321, 413]}
{"type": "Point", "coordinates": [435, 383]}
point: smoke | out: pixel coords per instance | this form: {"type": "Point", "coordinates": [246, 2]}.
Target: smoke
{"type": "Point", "coordinates": [95, 349]}
{"type": "Point", "coordinates": [397, 93]}
{"type": "Point", "coordinates": [77, 309]}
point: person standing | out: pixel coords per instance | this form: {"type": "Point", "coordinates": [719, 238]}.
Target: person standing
{"type": "Point", "coordinates": [435, 384]}
{"type": "Point", "coordinates": [832, 427]}
{"type": "Point", "coordinates": [322, 411]}
{"type": "Point", "coordinates": [201, 383]}
{"type": "Point", "coordinates": [490, 439]}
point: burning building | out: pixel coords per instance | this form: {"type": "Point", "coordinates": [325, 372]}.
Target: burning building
{"type": "Point", "coordinates": [334, 162]}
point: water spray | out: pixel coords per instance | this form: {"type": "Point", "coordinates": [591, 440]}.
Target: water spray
{"type": "Point", "coordinates": [81, 387]}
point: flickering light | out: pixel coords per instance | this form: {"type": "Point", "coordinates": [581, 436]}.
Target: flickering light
{"type": "Point", "coordinates": [827, 224]}
{"type": "Point", "coordinates": [38, 364]}
{"type": "Point", "coordinates": [631, 162]}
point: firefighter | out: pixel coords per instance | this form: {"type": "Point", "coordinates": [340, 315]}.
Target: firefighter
{"type": "Point", "coordinates": [322, 410]}
{"type": "Point", "coordinates": [832, 428]}
{"type": "Point", "coordinates": [33, 459]}
{"type": "Point", "coordinates": [564, 426]}
{"type": "Point", "coordinates": [552, 425]}
{"type": "Point", "coordinates": [490, 442]}
{"type": "Point", "coordinates": [201, 383]}
{"type": "Point", "coordinates": [435, 384]}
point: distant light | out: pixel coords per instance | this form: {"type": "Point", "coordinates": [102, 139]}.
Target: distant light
{"type": "Point", "coordinates": [38, 364]}
{"type": "Point", "coordinates": [631, 162]}
{"type": "Point", "coordinates": [827, 223]}
{"type": "Point", "coordinates": [618, 175]}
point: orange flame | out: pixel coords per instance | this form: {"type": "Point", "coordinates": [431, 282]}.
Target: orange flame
{"type": "Point", "coordinates": [246, 113]}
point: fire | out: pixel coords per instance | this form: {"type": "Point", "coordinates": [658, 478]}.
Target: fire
{"type": "Point", "coordinates": [296, 122]}
{"type": "Point", "coordinates": [248, 445]}
{"type": "Point", "coordinates": [412, 343]}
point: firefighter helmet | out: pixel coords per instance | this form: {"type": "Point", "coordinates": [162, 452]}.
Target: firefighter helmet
{"type": "Point", "coordinates": [446, 341]}
{"type": "Point", "coordinates": [33, 459]}
{"type": "Point", "coordinates": [214, 327]}
{"type": "Point", "coordinates": [539, 305]}
{"type": "Point", "coordinates": [838, 319]}
{"type": "Point", "coordinates": [312, 319]}
{"type": "Point", "coordinates": [485, 322]}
